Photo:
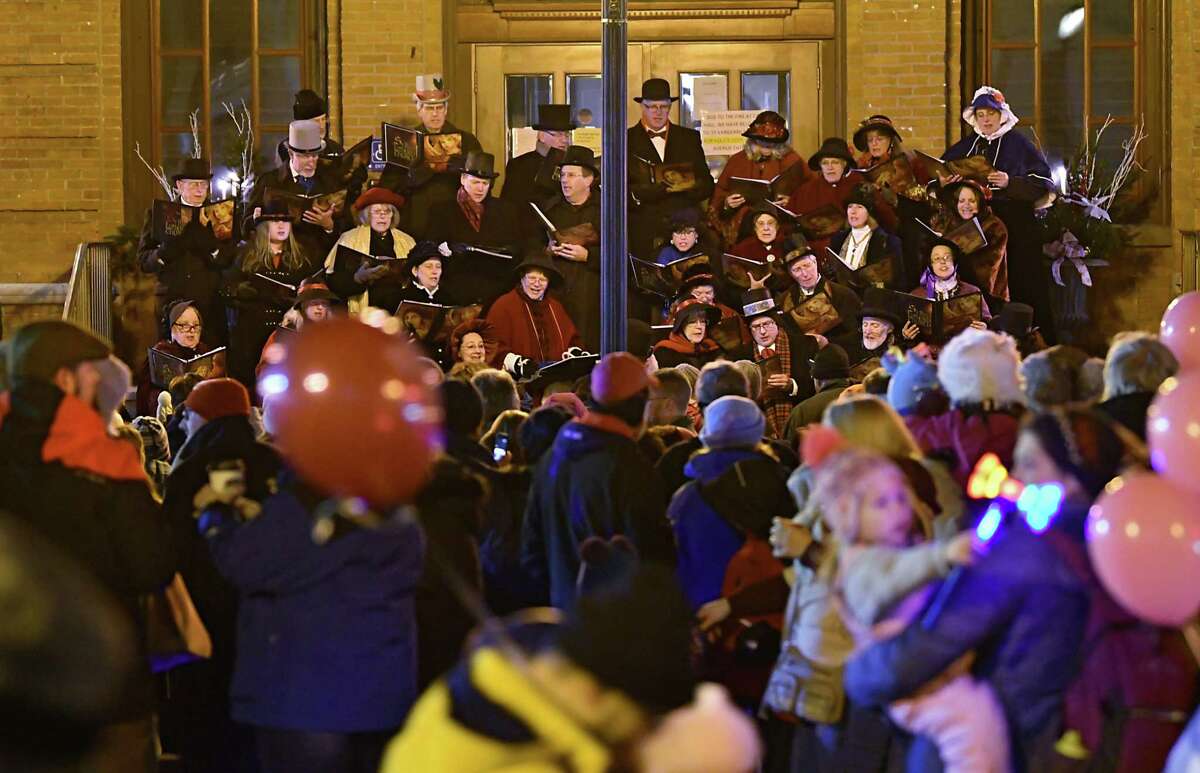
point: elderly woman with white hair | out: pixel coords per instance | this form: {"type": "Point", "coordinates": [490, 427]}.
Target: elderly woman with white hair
{"type": "Point", "coordinates": [1137, 363]}
{"type": "Point", "coordinates": [353, 278]}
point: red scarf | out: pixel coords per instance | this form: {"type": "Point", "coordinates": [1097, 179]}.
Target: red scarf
{"type": "Point", "coordinates": [471, 209]}
{"type": "Point", "coordinates": [676, 342]}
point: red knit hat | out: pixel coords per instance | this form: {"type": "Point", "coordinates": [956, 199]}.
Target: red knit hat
{"type": "Point", "coordinates": [619, 376]}
{"type": "Point", "coordinates": [217, 398]}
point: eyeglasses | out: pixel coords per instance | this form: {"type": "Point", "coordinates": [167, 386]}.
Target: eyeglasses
{"type": "Point", "coordinates": [941, 259]}
{"type": "Point", "coordinates": [186, 328]}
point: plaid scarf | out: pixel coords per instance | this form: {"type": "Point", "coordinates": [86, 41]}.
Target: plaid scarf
{"type": "Point", "coordinates": [777, 405]}
{"type": "Point", "coordinates": [472, 210]}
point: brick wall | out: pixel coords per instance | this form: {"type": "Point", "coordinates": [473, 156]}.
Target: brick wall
{"type": "Point", "coordinates": [900, 62]}
{"type": "Point", "coordinates": [393, 42]}
{"type": "Point", "coordinates": [60, 139]}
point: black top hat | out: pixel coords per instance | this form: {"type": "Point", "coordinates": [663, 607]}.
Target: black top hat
{"type": "Point", "coordinates": [554, 118]}
{"type": "Point", "coordinates": [537, 260]}
{"type": "Point", "coordinates": [656, 90]}
{"type": "Point", "coordinates": [192, 169]}
{"type": "Point", "coordinates": [578, 155]}
{"type": "Point", "coordinates": [757, 303]}
{"type": "Point", "coordinates": [955, 251]}
{"type": "Point", "coordinates": [689, 309]}
{"type": "Point", "coordinates": [480, 164]}
{"type": "Point", "coordinates": [421, 252]}
{"type": "Point", "coordinates": [275, 210]}
{"type": "Point", "coordinates": [308, 104]}
{"type": "Point", "coordinates": [832, 147]}
{"type": "Point", "coordinates": [880, 123]}
{"type": "Point", "coordinates": [875, 304]}
{"type": "Point", "coordinates": [768, 126]}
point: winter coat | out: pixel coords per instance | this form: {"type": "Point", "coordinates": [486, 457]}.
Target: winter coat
{"type": "Point", "coordinates": [811, 411]}
{"type": "Point", "coordinates": [326, 633]}
{"type": "Point", "coordinates": [651, 206]}
{"type": "Point", "coordinates": [189, 267]}
{"type": "Point", "coordinates": [520, 190]}
{"type": "Point", "coordinates": [541, 330]}
{"type": "Point", "coordinates": [794, 350]}
{"type": "Point", "coordinates": [965, 436]}
{"type": "Point", "coordinates": [987, 266]}
{"type": "Point", "coordinates": [224, 439]}
{"type": "Point", "coordinates": [256, 308]}
{"type": "Point", "coordinates": [592, 482]}
{"type": "Point", "coordinates": [1129, 410]}
{"type": "Point", "coordinates": [313, 238]}
{"type": "Point", "coordinates": [817, 193]}
{"type": "Point", "coordinates": [147, 392]}
{"type": "Point", "coordinates": [1021, 607]}
{"type": "Point", "coordinates": [340, 274]}
{"type": "Point", "coordinates": [63, 476]}
{"type": "Point", "coordinates": [728, 221]}
{"type": "Point", "coordinates": [580, 293]}
{"type": "Point", "coordinates": [486, 715]}
{"type": "Point", "coordinates": [843, 300]}
{"type": "Point", "coordinates": [704, 539]}
{"type": "Point", "coordinates": [881, 246]}
{"type": "Point", "coordinates": [672, 467]}
{"type": "Point", "coordinates": [472, 277]}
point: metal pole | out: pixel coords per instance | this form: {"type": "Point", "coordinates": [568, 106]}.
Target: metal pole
{"type": "Point", "coordinates": [614, 185]}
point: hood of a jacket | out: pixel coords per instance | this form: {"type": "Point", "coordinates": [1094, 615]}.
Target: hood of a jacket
{"type": "Point", "coordinates": [577, 439]}
{"type": "Point", "coordinates": [227, 437]}
{"type": "Point", "coordinates": [707, 463]}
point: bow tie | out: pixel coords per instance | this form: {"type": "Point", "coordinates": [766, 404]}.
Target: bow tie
{"type": "Point", "coordinates": [660, 133]}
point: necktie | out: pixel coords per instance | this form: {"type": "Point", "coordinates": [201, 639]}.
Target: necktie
{"type": "Point", "coordinates": [766, 353]}
{"type": "Point", "coordinates": [305, 182]}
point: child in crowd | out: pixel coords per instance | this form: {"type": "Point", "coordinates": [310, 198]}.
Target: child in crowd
{"type": "Point", "coordinates": [882, 573]}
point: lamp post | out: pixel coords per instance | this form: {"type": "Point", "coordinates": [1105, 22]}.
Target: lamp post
{"type": "Point", "coordinates": [614, 26]}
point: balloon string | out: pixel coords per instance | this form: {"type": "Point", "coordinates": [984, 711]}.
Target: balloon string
{"type": "Point", "coordinates": [1191, 634]}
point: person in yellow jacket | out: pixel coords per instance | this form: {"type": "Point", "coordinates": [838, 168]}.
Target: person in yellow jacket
{"type": "Point", "coordinates": [580, 702]}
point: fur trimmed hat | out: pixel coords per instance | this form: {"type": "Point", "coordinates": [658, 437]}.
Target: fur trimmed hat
{"type": "Point", "coordinates": [981, 367]}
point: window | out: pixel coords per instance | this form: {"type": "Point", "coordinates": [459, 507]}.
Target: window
{"type": "Point", "coordinates": [700, 92]}
{"type": "Point", "coordinates": [208, 52]}
{"type": "Point", "coordinates": [585, 94]}
{"type": "Point", "coordinates": [1064, 66]}
{"type": "Point", "coordinates": [767, 91]}
{"type": "Point", "coordinates": [523, 94]}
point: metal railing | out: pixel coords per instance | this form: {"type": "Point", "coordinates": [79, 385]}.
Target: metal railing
{"type": "Point", "coordinates": [90, 289]}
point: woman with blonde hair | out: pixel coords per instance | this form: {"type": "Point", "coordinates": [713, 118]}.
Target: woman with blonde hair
{"type": "Point", "coordinates": [353, 278]}
{"type": "Point", "coordinates": [261, 286]}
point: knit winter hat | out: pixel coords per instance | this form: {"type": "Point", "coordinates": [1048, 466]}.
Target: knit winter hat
{"type": "Point", "coordinates": [635, 637]}
{"type": "Point", "coordinates": [1081, 443]}
{"type": "Point", "coordinates": [219, 397]}
{"type": "Point", "coordinates": [619, 376]}
{"type": "Point", "coordinates": [175, 311]}
{"type": "Point", "coordinates": [831, 362]}
{"type": "Point", "coordinates": [981, 367]}
{"type": "Point", "coordinates": [913, 377]}
{"type": "Point", "coordinates": [732, 422]}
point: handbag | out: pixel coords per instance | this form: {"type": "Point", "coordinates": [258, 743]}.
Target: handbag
{"type": "Point", "coordinates": [175, 634]}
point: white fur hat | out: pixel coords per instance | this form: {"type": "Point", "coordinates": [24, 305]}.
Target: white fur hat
{"type": "Point", "coordinates": [986, 96]}
{"type": "Point", "coordinates": [979, 366]}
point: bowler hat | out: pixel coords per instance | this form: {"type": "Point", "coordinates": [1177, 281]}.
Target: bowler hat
{"type": "Point", "coordinates": [768, 126]}
{"type": "Point", "coordinates": [656, 90]}
{"type": "Point", "coordinates": [192, 169]}
{"type": "Point", "coordinates": [480, 164]}
{"type": "Point", "coordinates": [1015, 319]}
{"type": "Point", "coordinates": [879, 123]}
{"type": "Point", "coordinates": [578, 155]}
{"type": "Point", "coordinates": [308, 104]}
{"type": "Point", "coordinates": [830, 362]}
{"type": "Point", "coordinates": [554, 118]}
{"type": "Point", "coordinates": [832, 147]}
{"type": "Point", "coordinates": [423, 251]}
{"type": "Point", "coordinates": [305, 137]}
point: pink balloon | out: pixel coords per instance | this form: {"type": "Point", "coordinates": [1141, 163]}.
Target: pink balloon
{"type": "Point", "coordinates": [1180, 329]}
{"type": "Point", "coordinates": [1144, 541]}
{"type": "Point", "coordinates": [1173, 430]}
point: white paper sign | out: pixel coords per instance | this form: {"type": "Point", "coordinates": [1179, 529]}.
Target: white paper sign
{"type": "Point", "coordinates": [587, 137]}
{"type": "Point", "coordinates": [721, 131]}
{"type": "Point", "coordinates": [524, 140]}
{"type": "Point", "coordinates": [710, 94]}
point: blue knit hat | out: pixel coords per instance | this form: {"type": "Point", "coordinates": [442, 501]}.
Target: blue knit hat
{"type": "Point", "coordinates": [912, 378]}
{"type": "Point", "coordinates": [732, 422]}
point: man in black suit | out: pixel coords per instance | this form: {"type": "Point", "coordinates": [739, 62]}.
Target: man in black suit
{"type": "Point", "coordinates": [521, 183]}
{"type": "Point", "coordinates": [656, 140]}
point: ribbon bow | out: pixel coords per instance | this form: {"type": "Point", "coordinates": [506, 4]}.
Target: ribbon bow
{"type": "Point", "coordinates": [1065, 248]}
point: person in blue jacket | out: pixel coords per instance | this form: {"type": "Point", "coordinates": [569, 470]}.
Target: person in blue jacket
{"type": "Point", "coordinates": [1022, 607]}
{"type": "Point", "coordinates": [1020, 183]}
{"type": "Point", "coordinates": [326, 661]}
